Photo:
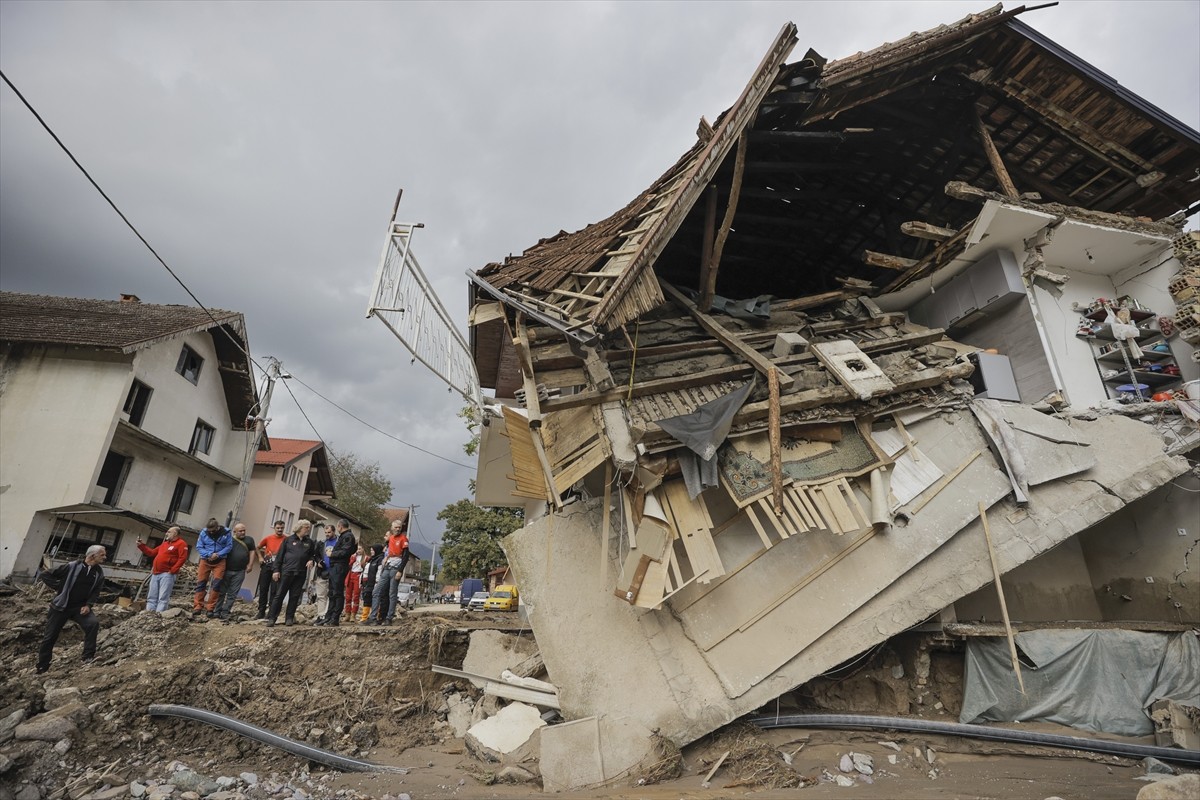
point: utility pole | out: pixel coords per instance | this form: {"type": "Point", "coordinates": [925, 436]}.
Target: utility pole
{"type": "Point", "coordinates": [274, 371]}
{"type": "Point", "coordinates": [433, 561]}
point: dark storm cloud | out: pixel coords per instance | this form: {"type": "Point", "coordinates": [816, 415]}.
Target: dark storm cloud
{"type": "Point", "coordinates": [259, 147]}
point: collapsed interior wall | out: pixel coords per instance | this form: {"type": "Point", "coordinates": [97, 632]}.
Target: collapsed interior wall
{"type": "Point", "coordinates": [1137, 565]}
{"type": "Point", "coordinates": [663, 670]}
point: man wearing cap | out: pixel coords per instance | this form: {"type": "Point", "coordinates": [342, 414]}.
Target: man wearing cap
{"type": "Point", "coordinates": [78, 584]}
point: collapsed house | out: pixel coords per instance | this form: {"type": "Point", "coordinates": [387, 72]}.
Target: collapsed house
{"type": "Point", "coordinates": [895, 325]}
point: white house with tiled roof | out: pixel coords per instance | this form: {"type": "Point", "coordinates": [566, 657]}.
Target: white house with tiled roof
{"type": "Point", "coordinates": [118, 419]}
{"type": "Point", "coordinates": [285, 470]}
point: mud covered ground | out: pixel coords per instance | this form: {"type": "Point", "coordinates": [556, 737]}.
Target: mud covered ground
{"type": "Point", "coordinates": [369, 692]}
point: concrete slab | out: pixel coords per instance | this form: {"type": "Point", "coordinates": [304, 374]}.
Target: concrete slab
{"type": "Point", "coordinates": [509, 730]}
{"type": "Point", "coordinates": [592, 752]}
{"type": "Point", "coordinates": [649, 670]}
{"type": "Point", "coordinates": [492, 652]}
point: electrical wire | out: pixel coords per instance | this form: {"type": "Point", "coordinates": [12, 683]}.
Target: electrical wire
{"type": "Point", "coordinates": [372, 427]}
{"type": "Point", "coordinates": [192, 295]}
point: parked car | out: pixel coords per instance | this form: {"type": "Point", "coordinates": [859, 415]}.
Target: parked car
{"type": "Point", "coordinates": [477, 601]}
{"type": "Point", "coordinates": [469, 587]}
{"type": "Point", "coordinates": [406, 596]}
{"type": "Point", "coordinates": [504, 598]}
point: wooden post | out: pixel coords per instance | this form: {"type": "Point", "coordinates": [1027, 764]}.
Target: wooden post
{"type": "Point", "coordinates": [706, 246]}
{"type": "Point", "coordinates": [714, 261]}
{"type": "Point", "coordinates": [1012, 642]}
{"type": "Point", "coordinates": [993, 157]}
{"type": "Point", "coordinates": [776, 448]}
{"type": "Point", "coordinates": [604, 525]}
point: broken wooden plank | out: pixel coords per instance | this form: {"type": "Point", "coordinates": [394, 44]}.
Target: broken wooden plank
{"type": "Point", "coordinates": [758, 528]}
{"type": "Point", "coordinates": [925, 230]}
{"type": "Point", "coordinates": [776, 446]}
{"type": "Point", "coordinates": [735, 189]}
{"type": "Point", "coordinates": [993, 157]}
{"type": "Point", "coordinates": [606, 520]}
{"type": "Point", "coordinates": [1008, 629]}
{"type": "Point", "coordinates": [885, 261]}
{"type": "Point", "coordinates": [694, 532]}
{"type": "Point", "coordinates": [756, 359]}
{"type": "Point", "coordinates": [635, 584]}
{"type": "Point", "coordinates": [769, 513]}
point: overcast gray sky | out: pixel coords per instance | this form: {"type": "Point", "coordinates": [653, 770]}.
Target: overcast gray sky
{"type": "Point", "coordinates": [259, 147]}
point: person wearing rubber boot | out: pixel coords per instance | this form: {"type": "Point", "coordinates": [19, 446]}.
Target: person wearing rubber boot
{"type": "Point", "coordinates": [267, 549]}
{"type": "Point", "coordinates": [213, 545]}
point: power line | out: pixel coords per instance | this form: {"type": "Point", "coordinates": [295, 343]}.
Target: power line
{"type": "Point", "coordinates": [377, 430]}
{"type": "Point", "coordinates": [192, 295]}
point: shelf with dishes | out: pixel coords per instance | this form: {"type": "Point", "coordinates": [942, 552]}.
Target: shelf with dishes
{"type": "Point", "coordinates": [1135, 369]}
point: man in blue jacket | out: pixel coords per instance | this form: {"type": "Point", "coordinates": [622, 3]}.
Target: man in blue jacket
{"type": "Point", "coordinates": [80, 583]}
{"type": "Point", "coordinates": [213, 546]}
{"type": "Point", "coordinates": [337, 561]}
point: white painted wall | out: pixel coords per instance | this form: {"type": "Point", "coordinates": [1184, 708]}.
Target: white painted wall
{"type": "Point", "coordinates": [58, 409]}
{"type": "Point", "coordinates": [267, 490]}
{"type": "Point", "coordinates": [1148, 282]}
{"type": "Point", "coordinates": [176, 403]}
{"type": "Point", "coordinates": [59, 414]}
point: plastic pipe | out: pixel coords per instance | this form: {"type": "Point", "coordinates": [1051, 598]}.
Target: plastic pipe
{"type": "Point", "coordinates": [857, 721]}
{"type": "Point", "coordinates": [338, 762]}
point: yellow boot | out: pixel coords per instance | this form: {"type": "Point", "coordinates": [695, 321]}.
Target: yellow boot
{"type": "Point", "coordinates": [366, 612]}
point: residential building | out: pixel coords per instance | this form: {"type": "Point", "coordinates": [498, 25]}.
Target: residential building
{"type": "Point", "coordinates": [118, 419]}
{"type": "Point", "coordinates": [287, 475]}
{"type": "Point", "coordinates": [879, 351]}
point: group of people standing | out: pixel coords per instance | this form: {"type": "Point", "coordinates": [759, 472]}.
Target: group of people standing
{"type": "Point", "coordinates": [346, 578]}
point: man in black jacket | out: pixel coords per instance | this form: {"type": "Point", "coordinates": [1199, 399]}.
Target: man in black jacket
{"type": "Point", "coordinates": [339, 566]}
{"type": "Point", "coordinates": [81, 582]}
{"type": "Point", "coordinates": [291, 566]}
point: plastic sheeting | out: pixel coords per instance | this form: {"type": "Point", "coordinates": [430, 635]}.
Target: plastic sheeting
{"type": "Point", "coordinates": [1096, 680]}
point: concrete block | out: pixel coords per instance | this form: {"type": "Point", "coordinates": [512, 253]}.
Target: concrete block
{"type": "Point", "coordinates": [788, 343]}
{"type": "Point", "coordinates": [511, 737]}
{"type": "Point", "coordinates": [589, 751]}
{"type": "Point", "coordinates": [1179, 787]}
{"type": "Point", "coordinates": [459, 715]}
{"type": "Point", "coordinates": [492, 652]}
{"type": "Point", "coordinates": [1175, 725]}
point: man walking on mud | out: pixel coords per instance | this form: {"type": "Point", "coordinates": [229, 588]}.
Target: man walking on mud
{"type": "Point", "coordinates": [78, 585]}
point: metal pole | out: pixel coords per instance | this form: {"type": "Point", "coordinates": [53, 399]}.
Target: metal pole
{"type": "Point", "coordinates": [433, 561]}
{"type": "Point", "coordinates": [260, 424]}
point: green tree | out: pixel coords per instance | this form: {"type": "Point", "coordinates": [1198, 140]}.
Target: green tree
{"type": "Point", "coordinates": [361, 489]}
{"type": "Point", "coordinates": [471, 541]}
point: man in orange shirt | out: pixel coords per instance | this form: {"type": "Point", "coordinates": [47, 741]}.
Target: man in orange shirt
{"type": "Point", "coordinates": [395, 558]}
{"type": "Point", "coordinates": [267, 550]}
{"type": "Point", "coordinates": [169, 556]}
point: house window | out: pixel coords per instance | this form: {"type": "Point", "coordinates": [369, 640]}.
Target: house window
{"type": "Point", "coordinates": [113, 475]}
{"type": "Point", "coordinates": [291, 476]}
{"type": "Point", "coordinates": [72, 539]}
{"type": "Point", "coordinates": [202, 438]}
{"type": "Point", "coordinates": [189, 364]}
{"type": "Point", "coordinates": [136, 402]}
{"type": "Point", "coordinates": [182, 500]}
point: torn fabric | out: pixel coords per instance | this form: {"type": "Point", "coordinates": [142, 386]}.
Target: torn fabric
{"type": "Point", "coordinates": [704, 430]}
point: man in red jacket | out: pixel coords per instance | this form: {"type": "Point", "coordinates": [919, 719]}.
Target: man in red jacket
{"type": "Point", "coordinates": [168, 557]}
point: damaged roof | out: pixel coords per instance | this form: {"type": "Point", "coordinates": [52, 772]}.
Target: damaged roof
{"type": "Point", "coordinates": [817, 166]}
{"type": "Point", "coordinates": [129, 326]}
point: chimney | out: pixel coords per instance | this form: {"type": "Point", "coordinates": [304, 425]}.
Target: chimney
{"type": "Point", "coordinates": [130, 298]}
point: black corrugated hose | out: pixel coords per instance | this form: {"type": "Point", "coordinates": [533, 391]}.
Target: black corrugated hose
{"type": "Point", "coordinates": [860, 721]}
{"type": "Point", "coordinates": [338, 762]}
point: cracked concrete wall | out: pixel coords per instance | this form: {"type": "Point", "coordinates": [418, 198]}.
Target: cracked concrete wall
{"type": "Point", "coordinates": [1054, 586]}
{"type": "Point", "coordinates": [651, 669]}
{"type": "Point", "coordinates": [1144, 541]}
